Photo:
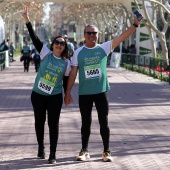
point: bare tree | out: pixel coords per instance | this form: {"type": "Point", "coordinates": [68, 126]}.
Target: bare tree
{"type": "Point", "coordinates": [157, 9]}
{"type": "Point", "coordinates": [11, 14]}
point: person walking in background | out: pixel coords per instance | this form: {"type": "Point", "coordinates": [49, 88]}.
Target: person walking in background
{"type": "Point", "coordinates": [47, 95]}
{"type": "Point", "coordinates": [35, 59]}
{"type": "Point", "coordinates": [26, 56]}
{"type": "Point", "coordinates": [70, 48]}
{"type": "Point", "coordinates": [4, 46]}
{"type": "Point", "coordinates": [11, 51]}
{"type": "Point", "coordinates": [75, 45]}
{"type": "Point", "coordinates": [81, 43]}
{"type": "Point", "coordinates": [91, 60]}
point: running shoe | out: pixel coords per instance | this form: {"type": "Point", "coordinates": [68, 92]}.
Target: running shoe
{"type": "Point", "coordinates": [41, 153]}
{"type": "Point", "coordinates": [107, 157]}
{"type": "Point", "coordinates": [52, 158]}
{"type": "Point", "coordinates": [83, 156]}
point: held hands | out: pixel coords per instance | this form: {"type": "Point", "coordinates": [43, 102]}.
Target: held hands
{"type": "Point", "coordinates": [25, 14]}
{"type": "Point", "coordinates": [68, 100]}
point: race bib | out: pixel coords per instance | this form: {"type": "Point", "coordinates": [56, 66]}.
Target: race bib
{"type": "Point", "coordinates": [45, 85]}
{"type": "Point", "coordinates": [92, 71]}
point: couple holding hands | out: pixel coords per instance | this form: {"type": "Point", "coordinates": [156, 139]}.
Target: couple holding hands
{"type": "Point", "coordinates": [56, 72]}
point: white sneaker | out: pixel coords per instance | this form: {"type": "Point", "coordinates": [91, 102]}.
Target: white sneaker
{"type": "Point", "coordinates": [107, 157]}
{"type": "Point", "coordinates": [83, 156]}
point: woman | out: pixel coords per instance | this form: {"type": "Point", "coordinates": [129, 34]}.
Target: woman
{"type": "Point", "coordinates": [47, 96]}
{"type": "Point", "coordinates": [26, 56]}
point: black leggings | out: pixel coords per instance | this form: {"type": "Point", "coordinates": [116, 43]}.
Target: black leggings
{"type": "Point", "coordinates": [26, 63]}
{"type": "Point", "coordinates": [85, 105]}
{"type": "Point", "coordinates": [37, 65]}
{"type": "Point", "coordinates": [52, 106]}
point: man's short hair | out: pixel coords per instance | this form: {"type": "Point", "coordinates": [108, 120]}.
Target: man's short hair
{"type": "Point", "coordinates": [91, 26]}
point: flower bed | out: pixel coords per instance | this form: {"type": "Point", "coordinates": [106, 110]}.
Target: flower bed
{"type": "Point", "coordinates": [158, 72]}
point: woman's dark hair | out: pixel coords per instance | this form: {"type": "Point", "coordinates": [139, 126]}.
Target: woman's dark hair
{"type": "Point", "coordinates": [65, 51]}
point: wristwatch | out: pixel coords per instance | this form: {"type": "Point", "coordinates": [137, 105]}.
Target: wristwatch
{"type": "Point", "coordinates": [135, 25]}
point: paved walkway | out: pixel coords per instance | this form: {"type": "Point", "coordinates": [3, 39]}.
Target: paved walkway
{"type": "Point", "coordinates": [139, 123]}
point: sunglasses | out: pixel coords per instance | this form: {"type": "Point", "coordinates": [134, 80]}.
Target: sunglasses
{"type": "Point", "coordinates": [62, 43]}
{"type": "Point", "coordinates": [89, 33]}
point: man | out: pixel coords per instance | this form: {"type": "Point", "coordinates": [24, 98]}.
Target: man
{"type": "Point", "coordinates": [70, 47]}
{"type": "Point", "coordinates": [26, 53]}
{"type": "Point", "coordinates": [91, 61]}
{"type": "Point", "coordinates": [11, 51]}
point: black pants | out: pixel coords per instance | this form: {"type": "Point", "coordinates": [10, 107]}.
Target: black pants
{"type": "Point", "coordinates": [26, 63]}
{"type": "Point", "coordinates": [52, 106]}
{"type": "Point", "coordinates": [37, 65]}
{"type": "Point", "coordinates": [85, 105]}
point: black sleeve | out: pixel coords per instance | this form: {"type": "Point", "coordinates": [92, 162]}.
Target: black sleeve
{"type": "Point", "coordinates": [36, 41]}
{"type": "Point", "coordinates": [6, 47]}
{"type": "Point", "coordinates": [65, 81]}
